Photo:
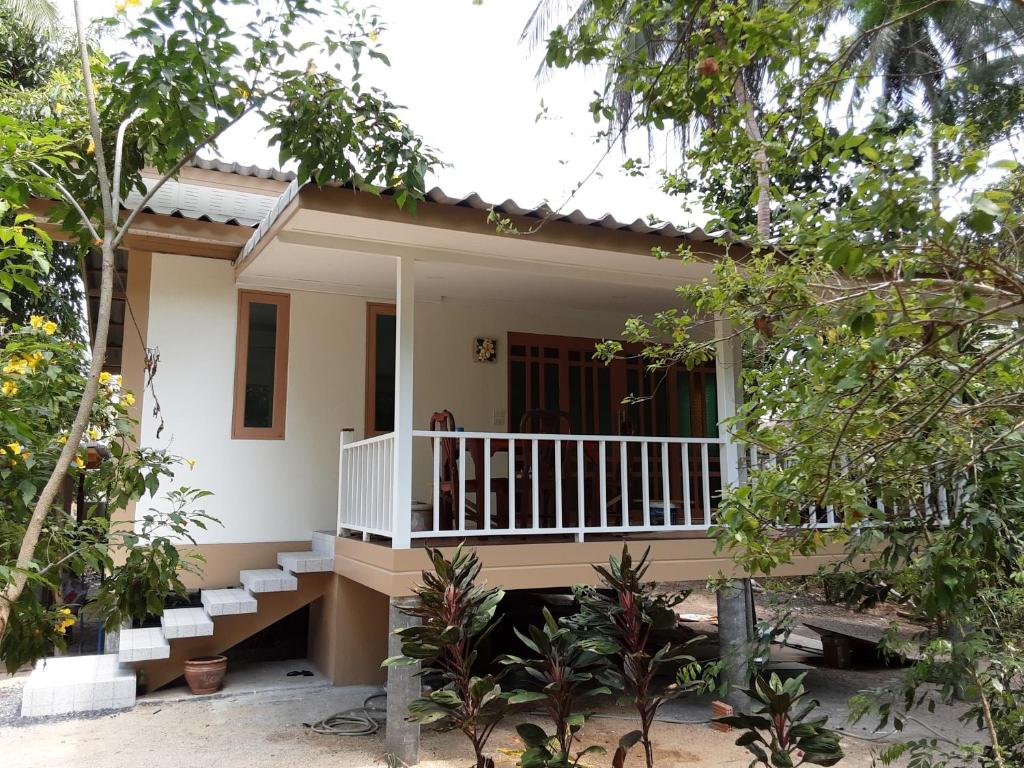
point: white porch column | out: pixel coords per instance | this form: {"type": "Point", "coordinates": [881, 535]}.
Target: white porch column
{"type": "Point", "coordinates": [401, 513]}
{"type": "Point", "coordinates": [728, 363]}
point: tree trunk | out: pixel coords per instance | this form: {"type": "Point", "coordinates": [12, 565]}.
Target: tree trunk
{"type": "Point", "coordinates": [44, 503]}
{"type": "Point", "coordinates": [760, 157]}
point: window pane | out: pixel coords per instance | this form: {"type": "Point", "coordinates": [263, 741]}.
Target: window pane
{"type": "Point", "coordinates": [260, 363]}
{"type": "Point", "coordinates": [384, 375]}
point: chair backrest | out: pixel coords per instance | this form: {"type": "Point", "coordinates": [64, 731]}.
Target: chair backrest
{"type": "Point", "coordinates": [542, 422]}
{"type": "Point", "coordinates": [444, 421]}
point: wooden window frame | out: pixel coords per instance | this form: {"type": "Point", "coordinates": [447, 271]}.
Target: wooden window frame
{"type": "Point", "coordinates": [373, 309]}
{"type": "Point", "coordinates": [277, 430]}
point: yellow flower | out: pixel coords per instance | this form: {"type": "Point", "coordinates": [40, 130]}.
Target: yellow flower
{"type": "Point", "coordinates": [91, 148]}
{"type": "Point", "coordinates": [17, 367]}
{"type": "Point", "coordinates": [62, 439]}
{"type": "Point", "coordinates": [373, 35]}
{"type": "Point", "coordinates": [35, 321]}
{"type": "Point", "coordinates": [49, 327]}
{"type": "Point", "coordinates": [58, 108]}
{"type": "Point", "coordinates": [243, 92]}
{"type": "Point", "coordinates": [120, 7]}
{"type": "Point", "coordinates": [117, 380]}
{"type": "Point", "coordinates": [15, 448]}
{"type": "Point", "coordinates": [9, 388]}
{"type": "Point", "coordinates": [128, 399]}
{"type": "Point", "coordinates": [191, 463]}
{"type": "Point", "coordinates": [94, 434]}
{"type": "Point", "coordinates": [105, 377]}
{"type": "Point", "coordinates": [79, 462]}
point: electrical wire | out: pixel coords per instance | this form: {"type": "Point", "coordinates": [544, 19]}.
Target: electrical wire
{"type": "Point", "coordinates": [357, 721]}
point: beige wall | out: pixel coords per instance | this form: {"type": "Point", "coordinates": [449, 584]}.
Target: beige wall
{"type": "Point", "coordinates": [535, 564]}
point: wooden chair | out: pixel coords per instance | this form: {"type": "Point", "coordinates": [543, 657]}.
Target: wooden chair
{"type": "Point", "coordinates": [448, 482]}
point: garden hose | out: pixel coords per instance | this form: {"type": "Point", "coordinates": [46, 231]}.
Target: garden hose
{"type": "Point", "coordinates": [358, 721]}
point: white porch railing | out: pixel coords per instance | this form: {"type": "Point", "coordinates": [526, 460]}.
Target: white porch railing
{"type": "Point", "coordinates": [492, 484]}
{"type": "Point", "coordinates": [365, 488]}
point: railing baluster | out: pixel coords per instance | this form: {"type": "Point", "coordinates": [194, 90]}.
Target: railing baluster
{"type": "Point", "coordinates": [437, 484]}
{"type": "Point", "coordinates": [705, 478]}
{"type": "Point", "coordinates": [511, 484]}
{"type": "Point", "coordinates": [486, 490]}
{"type": "Point", "coordinates": [536, 482]}
{"type": "Point", "coordinates": [558, 484]}
{"type": "Point", "coordinates": [602, 476]}
{"type": "Point", "coordinates": [462, 483]}
{"type": "Point", "coordinates": [580, 487]}
{"type": "Point", "coordinates": [645, 483]}
{"type": "Point", "coordinates": [624, 481]}
{"type": "Point", "coordinates": [666, 503]}
{"type": "Point", "coordinates": [684, 456]}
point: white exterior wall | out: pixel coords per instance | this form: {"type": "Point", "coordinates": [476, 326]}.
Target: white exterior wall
{"type": "Point", "coordinates": [264, 490]}
{"type": "Point", "coordinates": [279, 490]}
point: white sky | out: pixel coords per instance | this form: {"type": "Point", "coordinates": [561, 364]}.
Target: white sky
{"type": "Point", "coordinates": [469, 88]}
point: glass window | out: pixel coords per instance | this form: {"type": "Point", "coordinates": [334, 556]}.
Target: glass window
{"type": "Point", "coordinates": [261, 365]}
{"type": "Point", "coordinates": [381, 331]}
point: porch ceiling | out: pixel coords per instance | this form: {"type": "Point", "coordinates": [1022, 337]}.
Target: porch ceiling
{"type": "Point", "coordinates": [341, 253]}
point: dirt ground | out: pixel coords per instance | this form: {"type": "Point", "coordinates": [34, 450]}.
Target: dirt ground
{"type": "Point", "coordinates": [256, 725]}
{"type": "Point", "coordinates": [266, 729]}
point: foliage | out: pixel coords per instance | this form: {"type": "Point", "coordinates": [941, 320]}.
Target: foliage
{"type": "Point", "coordinates": [879, 311]}
{"type": "Point", "coordinates": [456, 617]}
{"type": "Point", "coordinates": [565, 670]}
{"type": "Point", "coordinates": [185, 76]}
{"type": "Point", "coordinates": [627, 612]}
{"type": "Point", "coordinates": [152, 569]}
{"type": "Point", "coordinates": [41, 381]}
{"type": "Point", "coordinates": [27, 58]}
{"type": "Point", "coordinates": [779, 732]}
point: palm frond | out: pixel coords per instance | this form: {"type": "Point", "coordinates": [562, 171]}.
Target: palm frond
{"type": "Point", "coordinates": [41, 15]}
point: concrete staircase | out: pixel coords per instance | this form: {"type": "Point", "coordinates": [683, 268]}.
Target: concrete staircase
{"type": "Point", "coordinates": [87, 683]}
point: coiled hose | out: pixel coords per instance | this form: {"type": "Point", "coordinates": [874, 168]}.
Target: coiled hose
{"type": "Point", "coordinates": [358, 721]}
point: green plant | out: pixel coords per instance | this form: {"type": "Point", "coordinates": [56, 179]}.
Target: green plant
{"type": "Point", "coordinates": [566, 670]}
{"type": "Point", "coordinates": [456, 615]}
{"type": "Point", "coordinates": [187, 72]}
{"type": "Point", "coordinates": [780, 735]}
{"type": "Point", "coordinates": [628, 617]}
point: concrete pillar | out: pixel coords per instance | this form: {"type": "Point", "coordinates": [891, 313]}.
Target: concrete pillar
{"type": "Point", "coordinates": [734, 639]}
{"type": "Point", "coordinates": [401, 737]}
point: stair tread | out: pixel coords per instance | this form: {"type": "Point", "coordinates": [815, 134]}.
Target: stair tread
{"type": "Point", "coordinates": [186, 622]}
{"type": "Point", "coordinates": [268, 580]}
{"type": "Point", "coordinates": [77, 684]}
{"type": "Point", "coordinates": [230, 601]}
{"type": "Point", "coordinates": [305, 562]}
{"type": "Point", "coordinates": [143, 644]}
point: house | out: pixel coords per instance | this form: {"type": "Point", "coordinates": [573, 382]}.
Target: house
{"type": "Point", "coordinates": [355, 382]}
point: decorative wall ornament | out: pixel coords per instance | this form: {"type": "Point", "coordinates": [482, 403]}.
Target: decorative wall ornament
{"type": "Point", "coordinates": [485, 350]}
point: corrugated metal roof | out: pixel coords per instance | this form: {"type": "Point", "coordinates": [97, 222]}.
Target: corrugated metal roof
{"type": "Point", "coordinates": [213, 164]}
{"type": "Point", "coordinates": [260, 211]}
{"type": "Point", "coordinates": [205, 203]}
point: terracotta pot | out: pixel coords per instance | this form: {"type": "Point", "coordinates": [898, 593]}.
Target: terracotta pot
{"type": "Point", "coordinates": [205, 673]}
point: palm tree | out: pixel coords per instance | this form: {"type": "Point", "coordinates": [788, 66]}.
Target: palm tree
{"type": "Point", "coordinates": [957, 58]}
{"type": "Point", "coordinates": [41, 15]}
{"type": "Point", "coordinates": [666, 45]}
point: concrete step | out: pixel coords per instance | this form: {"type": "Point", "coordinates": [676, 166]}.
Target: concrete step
{"type": "Point", "coordinates": [268, 580]}
{"type": "Point", "coordinates": [186, 622]}
{"type": "Point", "coordinates": [305, 562]}
{"type": "Point", "coordinates": [142, 644]}
{"type": "Point", "coordinates": [66, 684]}
{"type": "Point", "coordinates": [227, 602]}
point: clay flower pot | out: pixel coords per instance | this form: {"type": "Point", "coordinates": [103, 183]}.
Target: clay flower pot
{"type": "Point", "coordinates": [205, 674]}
